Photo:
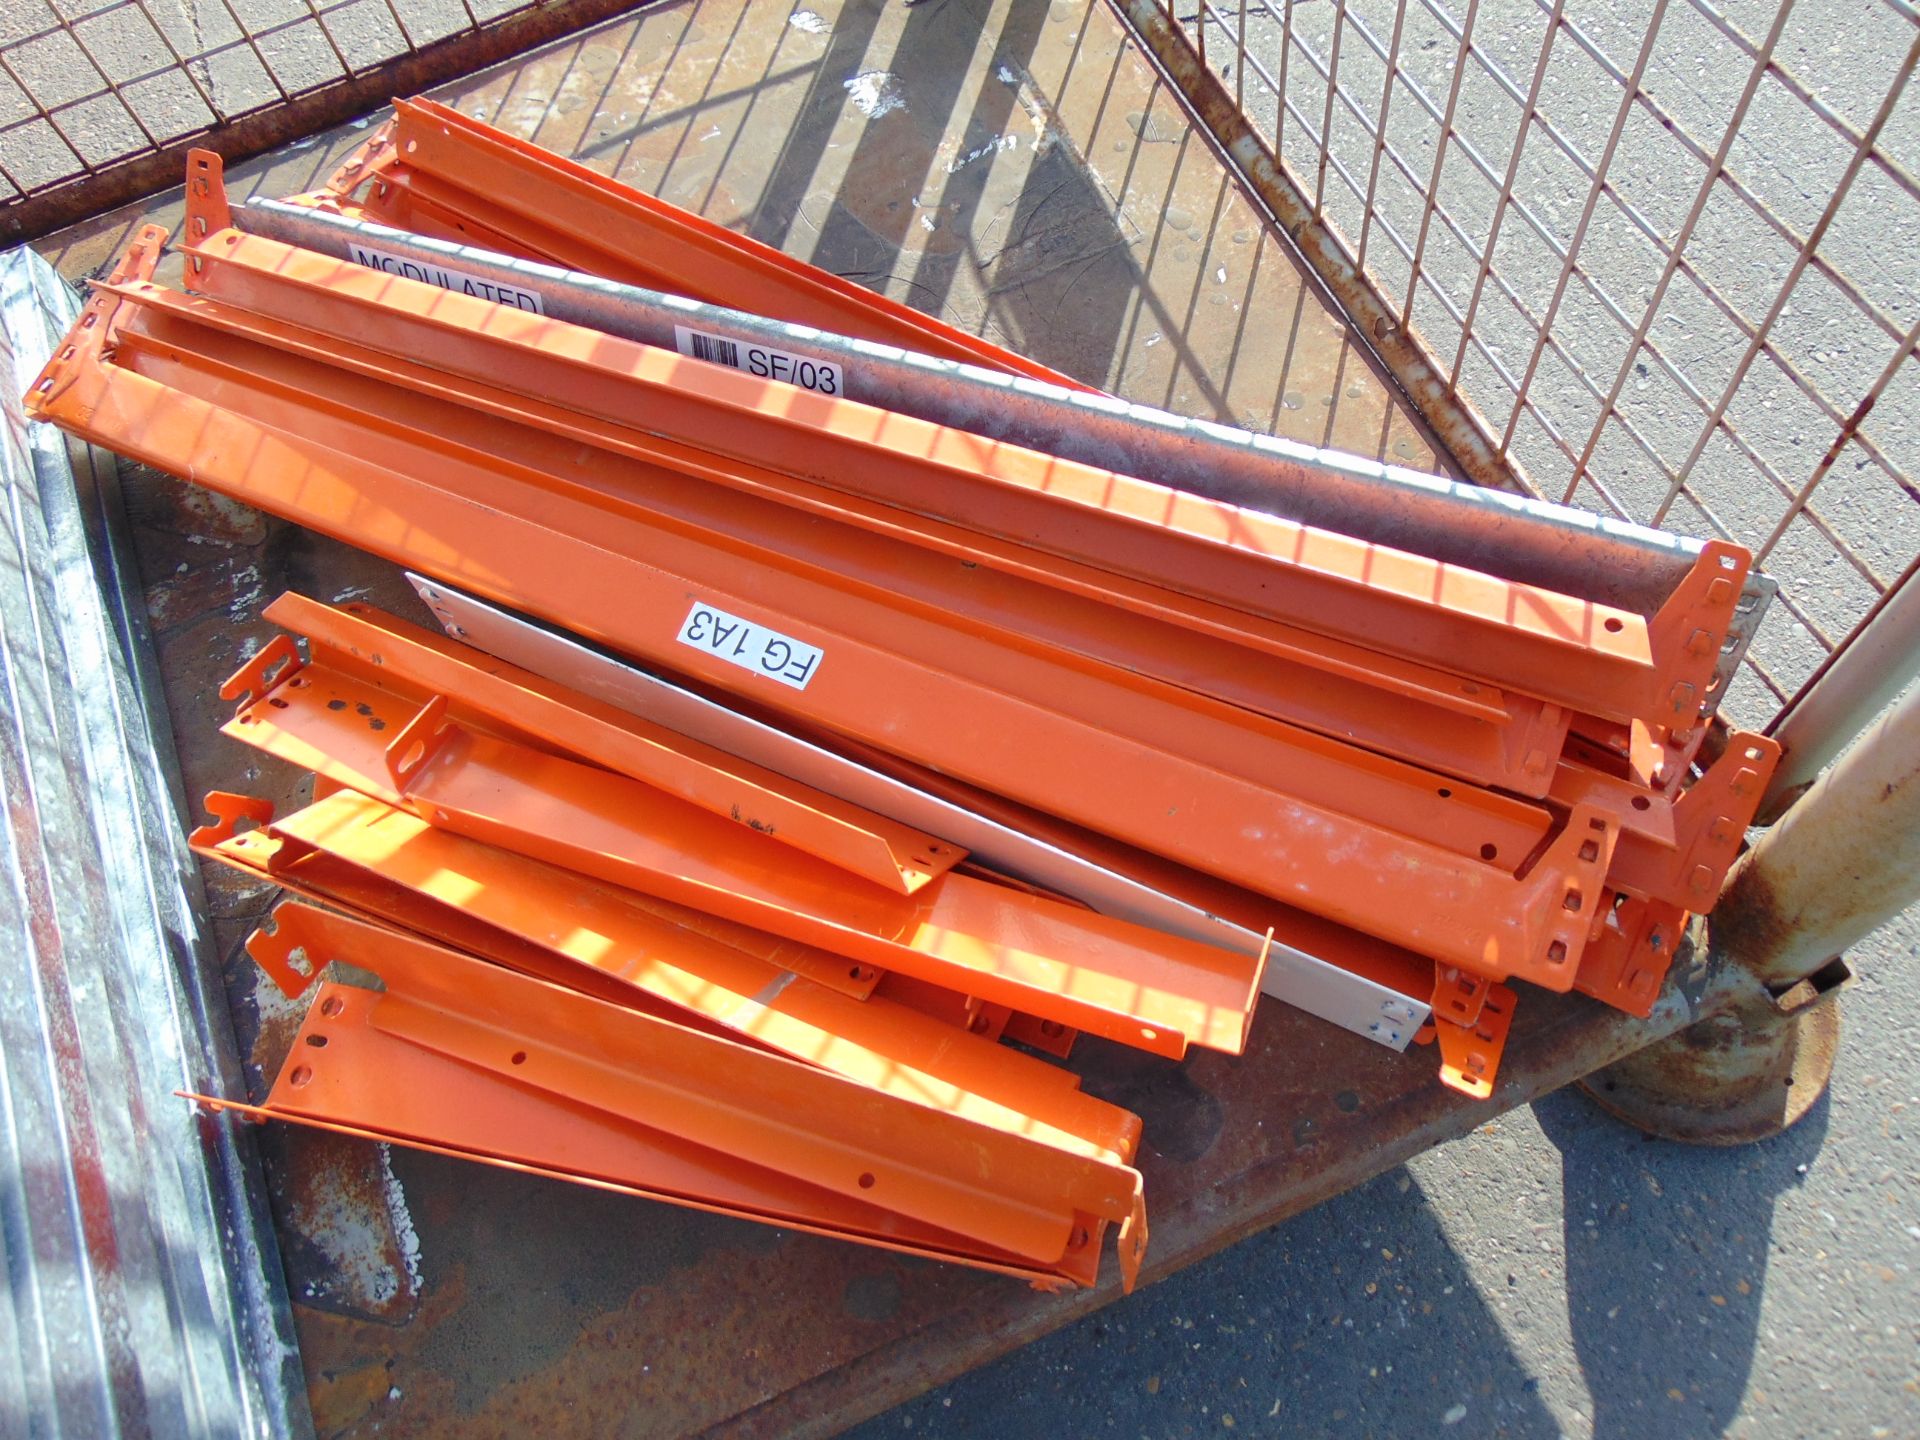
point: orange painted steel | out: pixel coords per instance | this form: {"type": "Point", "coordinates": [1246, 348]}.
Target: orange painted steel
{"type": "Point", "coordinates": [325, 463]}
{"type": "Point", "coordinates": [298, 869]}
{"type": "Point", "coordinates": [442, 173]}
{"type": "Point", "coordinates": [1514, 828]}
{"type": "Point", "coordinates": [1427, 716]}
{"type": "Point", "coordinates": [1470, 1058]}
{"type": "Point", "coordinates": [1585, 656]}
{"type": "Point", "coordinates": [225, 252]}
{"type": "Point", "coordinates": [1631, 951]}
{"type": "Point", "coordinates": [1109, 977]}
{"type": "Point", "coordinates": [493, 1122]}
{"type": "Point", "coordinates": [1470, 1054]}
{"type": "Point", "coordinates": [483, 692]}
{"type": "Point", "coordinates": [495, 1033]}
{"type": "Point", "coordinates": [1424, 716]}
{"type": "Point", "coordinates": [1351, 950]}
{"type": "Point", "coordinates": [590, 931]}
{"type": "Point", "coordinates": [1676, 849]}
{"type": "Point", "coordinates": [316, 875]}
{"type": "Point", "coordinates": [1012, 1192]}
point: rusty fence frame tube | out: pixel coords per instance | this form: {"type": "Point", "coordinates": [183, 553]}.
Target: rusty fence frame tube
{"type": "Point", "coordinates": [1843, 861]}
{"type": "Point", "coordinates": [1868, 671]}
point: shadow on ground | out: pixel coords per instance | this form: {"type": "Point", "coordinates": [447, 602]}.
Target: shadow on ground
{"type": "Point", "coordinates": [1666, 1255]}
{"type": "Point", "coordinates": [1360, 1318]}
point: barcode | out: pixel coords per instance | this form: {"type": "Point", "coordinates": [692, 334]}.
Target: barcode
{"type": "Point", "coordinates": [762, 361]}
{"type": "Point", "coordinates": [712, 347]}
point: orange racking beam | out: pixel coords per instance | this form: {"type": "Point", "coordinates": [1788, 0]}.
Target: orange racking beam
{"type": "Point", "coordinates": [491, 1121]}
{"type": "Point", "coordinates": [324, 464]}
{"type": "Point", "coordinates": [1295, 764]}
{"type": "Point", "coordinates": [751, 1110]}
{"type": "Point", "coordinates": [417, 664]}
{"type": "Point", "coordinates": [1414, 712]}
{"type": "Point", "coordinates": [1471, 1042]}
{"type": "Point", "coordinates": [300, 870]}
{"type": "Point", "coordinates": [1465, 728]}
{"type": "Point", "coordinates": [443, 173]}
{"type": "Point", "coordinates": [1589, 657]}
{"type": "Point", "coordinates": [316, 875]}
{"type": "Point", "coordinates": [498, 905]}
{"type": "Point", "coordinates": [1366, 998]}
{"type": "Point", "coordinates": [1109, 977]}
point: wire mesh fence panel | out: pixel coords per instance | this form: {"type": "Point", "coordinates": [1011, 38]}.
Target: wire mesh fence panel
{"type": "Point", "coordinates": [1666, 251]}
{"type": "Point", "coordinates": [89, 87]}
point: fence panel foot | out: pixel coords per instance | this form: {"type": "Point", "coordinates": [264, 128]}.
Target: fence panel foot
{"type": "Point", "coordinates": [1740, 1076]}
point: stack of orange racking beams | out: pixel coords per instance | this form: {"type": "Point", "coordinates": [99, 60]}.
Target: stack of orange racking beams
{"type": "Point", "coordinates": [801, 740]}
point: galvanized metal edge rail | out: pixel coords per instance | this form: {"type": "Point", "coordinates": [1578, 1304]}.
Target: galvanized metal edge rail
{"type": "Point", "coordinates": [144, 1285]}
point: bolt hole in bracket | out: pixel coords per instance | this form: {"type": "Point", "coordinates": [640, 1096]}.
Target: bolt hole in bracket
{"type": "Point", "coordinates": [233, 815]}
{"type": "Point", "coordinates": [276, 662]}
{"type": "Point", "coordinates": [285, 948]}
{"type": "Point", "coordinates": [1470, 1054]}
{"type": "Point", "coordinates": [419, 740]}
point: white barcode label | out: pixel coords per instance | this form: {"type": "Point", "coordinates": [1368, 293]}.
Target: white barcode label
{"type": "Point", "coordinates": [458, 281]}
{"type": "Point", "coordinates": [761, 360]}
{"type": "Point", "coordinates": [750, 646]}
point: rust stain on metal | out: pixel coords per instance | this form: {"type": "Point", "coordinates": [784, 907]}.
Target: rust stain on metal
{"type": "Point", "coordinates": [1736, 1077]}
{"type": "Point", "coordinates": [352, 1253]}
